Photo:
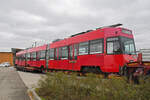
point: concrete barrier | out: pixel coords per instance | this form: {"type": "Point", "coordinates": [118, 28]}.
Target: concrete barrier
{"type": "Point", "coordinates": [33, 95]}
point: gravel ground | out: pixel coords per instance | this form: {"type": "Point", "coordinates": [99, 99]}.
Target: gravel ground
{"type": "Point", "coordinates": [30, 79]}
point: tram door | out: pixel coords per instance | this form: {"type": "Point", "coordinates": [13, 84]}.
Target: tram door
{"type": "Point", "coordinates": [72, 56]}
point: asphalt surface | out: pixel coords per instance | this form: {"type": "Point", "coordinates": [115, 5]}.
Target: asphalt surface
{"type": "Point", "coordinates": [11, 85]}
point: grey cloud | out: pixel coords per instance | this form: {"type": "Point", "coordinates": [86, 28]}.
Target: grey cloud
{"type": "Point", "coordinates": [24, 21]}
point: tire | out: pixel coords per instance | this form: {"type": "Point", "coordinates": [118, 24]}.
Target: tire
{"type": "Point", "coordinates": [42, 70]}
{"type": "Point", "coordinates": [130, 78]}
{"type": "Point", "coordinates": [121, 71]}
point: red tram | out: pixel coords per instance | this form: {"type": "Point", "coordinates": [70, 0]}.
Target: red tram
{"type": "Point", "coordinates": [106, 49]}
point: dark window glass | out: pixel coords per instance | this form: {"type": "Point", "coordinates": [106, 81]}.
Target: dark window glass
{"type": "Point", "coordinates": [52, 53]}
{"type": "Point", "coordinates": [23, 57]}
{"type": "Point", "coordinates": [113, 46]}
{"type": "Point", "coordinates": [20, 57]}
{"type": "Point", "coordinates": [64, 52]}
{"type": "Point", "coordinates": [56, 53]}
{"type": "Point", "coordinates": [47, 54]}
{"type": "Point", "coordinates": [42, 56]}
{"type": "Point", "coordinates": [128, 45]}
{"type": "Point", "coordinates": [38, 55]}
{"type": "Point", "coordinates": [83, 48]}
{"type": "Point", "coordinates": [28, 55]}
{"type": "Point", "coordinates": [96, 46]}
{"type": "Point", "coordinates": [75, 51]}
{"type": "Point", "coordinates": [70, 52]}
{"type": "Point", "coordinates": [33, 55]}
{"type": "Point", "coordinates": [60, 53]}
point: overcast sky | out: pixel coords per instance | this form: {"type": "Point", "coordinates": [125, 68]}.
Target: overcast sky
{"type": "Point", "coordinates": [25, 21]}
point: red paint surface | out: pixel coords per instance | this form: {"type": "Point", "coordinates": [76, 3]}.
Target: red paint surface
{"type": "Point", "coordinates": [107, 63]}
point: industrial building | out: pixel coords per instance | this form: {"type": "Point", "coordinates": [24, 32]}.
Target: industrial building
{"type": "Point", "coordinates": [6, 57]}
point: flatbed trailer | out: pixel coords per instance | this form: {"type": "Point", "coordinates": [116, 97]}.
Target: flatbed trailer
{"type": "Point", "coordinates": [134, 70]}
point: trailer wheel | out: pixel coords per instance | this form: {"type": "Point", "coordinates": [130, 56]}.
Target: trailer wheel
{"type": "Point", "coordinates": [24, 69]}
{"type": "Point", "coordinates": [130, 78]}
{"type": "Point", "coordinates": [42, 69]}
{"type": "Point", "coordinates": [133, 79]}
{"type": "Point", "coordinates": [125, 71]}
{"type": "Point", "coordinates": [121, 71]}
{"type": "Point", "coordinates": [136, 79]}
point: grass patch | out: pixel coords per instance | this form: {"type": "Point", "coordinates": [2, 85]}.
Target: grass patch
{"type": "Point", "coordinates": [60, 86]}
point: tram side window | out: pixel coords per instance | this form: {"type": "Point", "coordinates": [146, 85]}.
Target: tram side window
{"type": "Point", "coordinates": [47, 54]}
{"type": "Point", "coordinates": [51, 54]}
{"type": "Point", "coordinates": [31, 56]}
{"type": "Point", "coordinates": [83, 48]}
{"type": "Point", "coordinates": [75, 51]}
{"type": "Point", "coordinates": [42, 54]}
{"type": "Point", "coordinates": [59, 53]}
{"type": "Point", "coordinates": [38, 55]}
{"type": "Point", "coordinates": [34, 55]}
{"type": "Point", "coordinates": [64, 53]}
{"type": "Point", "coordinates": [56, 53]}
{"type": "Point", "coordinates": [113, 46]}
{"type": "Point", "coordinates": [20, 57]}
{"type": "Point", "coordinates": [28, 56]}
{"type": "Point", "coordinates": [96, 46]}
{"type": "Point", "coordinates": [24, 57]}
{"type": "Point", "coordinates": [70, 52]}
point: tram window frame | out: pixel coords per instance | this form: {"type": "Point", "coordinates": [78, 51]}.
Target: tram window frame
{"type": "Point", "coordinates": [81, 45]}
{"type": "Point", "coordinates": [76, 51]}
{"type": "Point", "coordinates": [38, 55]}
{"type": "Point", "coordinates": [56, 54]}
{"type": "Point", "coordinates": [19, 57]}
{"type": "Point", "coordinates": [128, 42]}
{"type": "Point", "coordinates": [47, 54]}
{"type": "Point", "coordinates": [94, 43]}
{"type": "Point", "coordinates": [33, 54]}
{"type": "Point", "coordinates": [64, 52]}
{"type": "Point", "coordinates": [70, 50]}
{"type": "Point", "coordinates": [41, 54]}
{"type": "Point", "coordinates": [113, 40]}
{"type": "Point", "coordinates": [28, 56]}
{"type": "Point", "coordinates": [22, 57]}
{"type": "Point", "coordinates": [59, 53]}
{"type": "Point", "coordinates": [52, 54]}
